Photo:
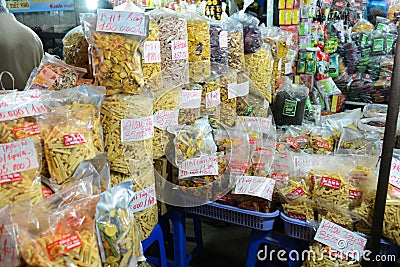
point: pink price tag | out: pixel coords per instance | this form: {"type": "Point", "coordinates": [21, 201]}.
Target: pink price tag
{"type": "Point", "coordinates": [126, 22]}
{"type": "Point", "coordinates": [179, 49]}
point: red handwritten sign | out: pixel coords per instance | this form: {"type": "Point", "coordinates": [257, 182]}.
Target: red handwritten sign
{"type": "Point", "coordinates": [179, 49]}
{"type": "Point", "coordinates": [190, 99]}
{"type": "Point", "coordinates": [165, 118]}
{"type": "Point", "coordinates": [213, 98]}
{"type": "Point", "coordinates": [74, 139]}
{"type": "Point", "coordinates": [206, 165]}
{"type": "Point", "coordinates": [18, 156]}
{"type": "Point", "coordinates": [255, 186]}
{"type": "Point", "coordinates": [339, 238]}
{"type": "Point", "coordinates": [64, 245]}
{"type": "Point", "coordinates": [11, 178]}
{"type": "Point", "coordinates": [121, 22]}
{"type": "Point", "coordinates": [21, 104]}
{"type": "Point", "coordinates": [144, 199]}
{"type": "Point", "coordinates": [137, 129]}
{"type": "Point", "coordinates": [151, 52]}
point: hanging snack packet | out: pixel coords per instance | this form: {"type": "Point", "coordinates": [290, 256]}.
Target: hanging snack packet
{"type": "Point", "coordinates": [65, 238]}
{"type": "Point", "coordinates": [230, 90]}
{"type": "Point", "coordinates": [55, 74]}
{"type": "Point", "coordinates": [117, 232]}
{"type": "Point", "coordinates": [76, 49]}
{"type": "Point", "coordinates": [20, 146]}
{"type": "Point", "coordinates": [128, 132]}
{"type": "Point", "coordinates": [235, 44]}
{"type": "Point", "coordinates": [173, 37]}
{"type": "Point", "coordinates": [115, 57]}
{"type": "Point", "coordinates": [198, 30]}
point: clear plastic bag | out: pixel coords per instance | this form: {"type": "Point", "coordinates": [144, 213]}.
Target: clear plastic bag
{"type": "Point", "coordinates": [55, 74]}
{"type": "Point", "coordinates": [115, 58]}
{"type": "Point", "coordinates": [129, 151]}
{"type": "Point", "coordinates": [251, 32]}
{"type": "Point", "coordinates": [218, 43]}
{"type": "Point", "coordinates": [173, 37]}
{"type": "Point", "coordinates": [59, 237]}
{"type": "Point", "coordinates": [354, 142]}
{"type": "Point", "coordinates": [8, 240]}
{"type": "Point", "coordinates": [375, 110]}
{"type": "Point", "coordinates": [199, 47]}
{"type": "Point", "coordinates": [322, 140]}
{"type": "Point", "coordinates": [235, 44]}
{"type": "Point", "coordinates": [76, 49]}
{"type": "Point", "coordinates": [117, 232]}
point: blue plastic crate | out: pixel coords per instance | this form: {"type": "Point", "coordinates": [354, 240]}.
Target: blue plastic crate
{"type": "Point", "coordinates": [252, 219]}
{"type": "Point", "coordinates": [298, 229]}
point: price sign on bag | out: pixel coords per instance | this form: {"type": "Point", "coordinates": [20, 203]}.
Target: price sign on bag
{"type": "Point", "coordinates": [394, 178]}
{"type": "Point", "coordinates": [151, 52]}
{"type": "Point", "coordinates": [121, 22]}
{"type": "Point", "coordinates": [205, 165]}
{"type": "Point", "coordinates": [339, 238]}
{"type": "Point", "coordinates": [137, 129]}
{"type": "Point", "coordinates": [144, 199]}
{"type": "Point", "coordinates": [255, 186]}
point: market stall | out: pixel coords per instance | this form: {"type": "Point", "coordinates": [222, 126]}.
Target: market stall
{"type": "Point", "coordinates": [250, 121]}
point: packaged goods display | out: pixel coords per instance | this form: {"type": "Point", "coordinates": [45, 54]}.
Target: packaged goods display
{"type": "Point", "coordinates": [153, 109]}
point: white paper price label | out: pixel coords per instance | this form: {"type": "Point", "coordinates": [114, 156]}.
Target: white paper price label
{"type": "Point", "coordinates": [179, 49]}
{"type": "Point", "coordinates": [347, 243]}
{"type": "Point", "coordinates": [165, 118]}
{"type": "Point", "coordinates": [18, 156]}
{"type": "Point", "coordinates": [213, 98]}
{"type": "Point", "coordinates": [206, 165]}
{"type": "Point", "coordinates": [21, 104]}
{"type": "Point", "coordinates": [394, 178]}
{"type": "Point", "coordinates": [144, 199]}
{"type": "Point", "coordinates": [223, 39]}
{"type": "Point", "coordinates": [255, 186]}
{"type": "Point", "coordinates": [121, 22]}
{"type": "Point", "coordinates": [151, 52]}
{"type": "Point", "coordinates": [190, 99]}
{"type": "Point", "coordinates": [137, 129]}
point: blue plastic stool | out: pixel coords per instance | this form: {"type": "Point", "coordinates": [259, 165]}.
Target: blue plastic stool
{"type": "Point", "coordinates": [179, 237]}
{"type": "Point", "coordinates": [258, 238]}
{"type": "Point", "coordinates": [156, 236]}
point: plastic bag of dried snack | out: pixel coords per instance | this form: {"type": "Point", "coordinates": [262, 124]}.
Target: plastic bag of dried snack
{"type": "Point", "coordinates": [59, 237]}
{"type": "Point", "coordinates": [117, 232]}
{"type": "Point", "coordinates": [115, 56]}
{"type": "Point", "coordinates": [55, 74]}
{"type": "Point", "coordinates": [128, 132]}
{"type": "Point", "coordinates": [173, 37]}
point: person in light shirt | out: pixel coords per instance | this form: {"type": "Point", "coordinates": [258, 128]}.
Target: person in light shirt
{"type": "Point", "coordinates": [20, 49]}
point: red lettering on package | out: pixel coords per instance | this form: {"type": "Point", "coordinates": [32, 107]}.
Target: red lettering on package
{"type": "Point", "coordinates": [298, 192]}
{"type": "Point", "coordinates": [297, 216]}
{"type": "Point", "coordinates": [11, 178]}
{"type": "Point", "coordinates": [64, 245]}
{"type": "Point", "coordinates": [330, 182]}
{"type": "Point", "coordinates": [293, 143]}
{"type": "Point", "coordinates": [74, 139]}
{"type": "Point", "coordinates": [322, 144]}
{"type": "Point", "coordinates": [26, 131]}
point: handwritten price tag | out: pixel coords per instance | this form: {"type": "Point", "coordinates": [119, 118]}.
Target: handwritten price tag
{"type": "Point", "coordinates": [238, 89]}
{"type": "Point", "coordinates": [151, 52]}
{"type": "Point", "coordinates": [206, 165]}
{"type": "Point", "coordinates": [213, 98]}
{"type": "Point", "coordinates": [21, 104]}
{"type": "Point", "coordinates": [8, 253]}
{"type": "Point", "coordinates": [338, 238]}
{"type": "Point", "coordinates": [137, 129]}
{"type": "Point", "coordinates": [18, 156]}
{"type": "Point", "coordinates": [165, 118]}
{"type": "Point", "coordinates": [179, 49]}
{"type": "Point", "coordinates": [255, 186]}
{"type": "Point", "coordinates": [394, 178]}
{"type": "Point", "coordinates": [190, 99]}
{"type": "Point", "coordinates": [121, 22]}
{"type": "Point", "coordinates": [144, 199]}
{"type": "Point", "coordinates": [260, 123]}
{"type": "Point", "coordinates": [223, 39]}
